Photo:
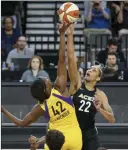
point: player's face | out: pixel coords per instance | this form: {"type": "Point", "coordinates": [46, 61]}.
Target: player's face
{"type": "Point", "coordinates": [35, 64]}
{"type": "Point", "coordinates": [92, 74]}
{"type": "Point", "coordinates": [48, 85]}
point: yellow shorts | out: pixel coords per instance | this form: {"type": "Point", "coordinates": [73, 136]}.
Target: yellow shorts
{"type": "Point", "coordinates": [73, 139]}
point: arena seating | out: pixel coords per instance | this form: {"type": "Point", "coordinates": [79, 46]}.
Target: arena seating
{"type": "Point", "coordinates": [41, 27]}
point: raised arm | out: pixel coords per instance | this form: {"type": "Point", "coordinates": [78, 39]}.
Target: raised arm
{"type": "Point", "coordinates": [75, 80]}
{"type": "Point", "coordinates": [61, 80]}
{"type": "Point", "coordinates": [31, 117]}
{"type": "Point", "coordinates": [120, 14]}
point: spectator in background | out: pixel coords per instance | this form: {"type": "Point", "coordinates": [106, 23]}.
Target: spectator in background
{"type": "Point", "coordinates": [21, 51]}
{"type": "Point", "coordinates": [9, 36]}
{"type": "Point", "coordinates": [115, 9]}
{"type": "Point", "coordinates": [111, 68]}
{"type": "Point", "coordinates": [98, 18]}
{"type": "Point", "coordinates": [122, 18]}
{"type": "Point", "coordinates": [111, 48]}
{"type": "Point", "coordinates": [35, 69]}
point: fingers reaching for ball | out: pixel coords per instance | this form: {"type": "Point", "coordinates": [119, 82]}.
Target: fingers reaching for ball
{"type": "Point", "coordinates": [63, 27]}
{"type": "Point", "coordinates": [70, 29]}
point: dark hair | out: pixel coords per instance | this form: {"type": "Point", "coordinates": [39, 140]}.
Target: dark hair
{"type": "Point", "coordinates": [7, 18]}
{"type": "Point", "coordinates": [38, 89]}
{"type": "Point", "coordinates": [113, 41]}
{"type": "Point", "coordinates": [102, 148]}
{"type": "Point", "coordinates": [55, 139]}
{"type": "Point", "coordinates": [40, 60]}
{"type": "Point", "coordinates": [112, 54]}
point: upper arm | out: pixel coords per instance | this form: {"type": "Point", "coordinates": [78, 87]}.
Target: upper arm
{"type": "Point", "coordinates": [33, 116]}
{"type": "Point", "coordinates": [8, 61]}
{"type": "Point", "coordinates": [60, 83]}
{"type": "Point", "coordinates": [105, 104]}
{"type": "Point", "coordinates": [74, 86]}
{"type": "Point", "coordinates": [107, 11]}
{"type": "Point", "coordinates": [23, 76]}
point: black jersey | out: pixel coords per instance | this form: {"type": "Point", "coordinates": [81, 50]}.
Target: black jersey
{"type": "Point", "coordinates": [85, 109]}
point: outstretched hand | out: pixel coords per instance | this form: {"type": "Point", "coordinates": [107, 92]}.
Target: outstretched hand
{"type": "Point", "coordinates": [70, 29]}
{"type": "Point", "coordinates": [63, 27]}
{"type": "Point", "coordinates": [33, 142]}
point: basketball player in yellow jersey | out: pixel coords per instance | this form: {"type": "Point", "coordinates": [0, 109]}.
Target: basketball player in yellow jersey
{"type": "Point", "coordinates": [55, 104]}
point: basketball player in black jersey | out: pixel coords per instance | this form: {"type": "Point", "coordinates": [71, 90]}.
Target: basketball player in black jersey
{"type": "Point", "coordinates": [88, 100]}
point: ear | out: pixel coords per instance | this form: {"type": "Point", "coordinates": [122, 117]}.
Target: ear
{"type": "Point", "coordinates": [98, 79]}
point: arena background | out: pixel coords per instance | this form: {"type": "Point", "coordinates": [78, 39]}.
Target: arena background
{"type": "Point", "coordinates": [37, 20]}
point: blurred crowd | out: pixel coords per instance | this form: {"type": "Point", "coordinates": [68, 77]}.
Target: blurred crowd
{"type": "Point", "coordinates": [100, 17]}
{"type": "Point", "coordinates": [107, 17]}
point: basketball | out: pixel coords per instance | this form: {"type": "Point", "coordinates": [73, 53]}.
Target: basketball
{"type": "Point", "coordinates": [68, 12]}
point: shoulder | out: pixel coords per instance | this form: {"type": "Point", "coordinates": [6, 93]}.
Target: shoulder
{"type": "Point", "coordinates": [38, 109]}
{"type": "Point", "coordinates": [102, 52]}
{"type": "Point", "coordinates": [27, 72]}
{"type": "Point", "coordinates": [30, 49]}
{"type": "Point", "coordinates": [43, 72]}
{"type": "Point", "coordinates": [102, 94]}
{"type": "Point", "coordinates": [12, 52]}
{"type": "Point", "coordinates": [106, 9]}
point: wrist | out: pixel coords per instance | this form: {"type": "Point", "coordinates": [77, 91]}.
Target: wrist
{"type": "Point", "coordinates": [70, 34]}
{"type": "Point", "coordinates": [62, 33]}
{"type": "Point", "coordinates": [100, 109]}
{"type": "Point", "coordinates": [41, 140]}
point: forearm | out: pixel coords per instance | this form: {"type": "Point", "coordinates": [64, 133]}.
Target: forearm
{"type": "Point", "coordinates": [120, 16]}
{"type": "Point", "coordinates": [107, 115]}
{"type": "Point", "coordinates": [41, 140]}
{"type": "Point", "coordinates": [72, 65]}
{"type": "Point", "coordinates": [106, 16]}
{"type": "Point", "coordinates": [15, 120]}
{"type": "Point", "coordinates": [62, 47]}
{"type": "Point", "coordinates": [70, 47]}
{"type": "Point", "coordinates": [90, 15]}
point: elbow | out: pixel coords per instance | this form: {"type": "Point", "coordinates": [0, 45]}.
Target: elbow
{"type": "Point", "coordinates": [89, 20]}
{"type": "Point", "coordinates": [70, 57]}
{"type": "Point", "coordinates": [62, 60]}
{"type": "Point", "coordinates": [22, 125]}
{"type": "Point", "coordinates": [120, 21]}
{"type": "Point", "coordinates": [112, 120]}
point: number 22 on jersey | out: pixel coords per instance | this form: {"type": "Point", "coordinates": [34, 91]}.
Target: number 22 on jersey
{"type": "Point", "coordinates": [84, 106]}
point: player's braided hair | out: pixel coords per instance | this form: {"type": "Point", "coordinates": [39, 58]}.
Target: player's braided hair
{"type": "Point", "coordinates": [55, 140]}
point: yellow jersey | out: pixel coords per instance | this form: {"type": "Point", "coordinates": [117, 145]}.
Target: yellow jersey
{"type": "Point", "coordinates": [61, 114]}
{"type": "Point", "coordinates": [60, 111]}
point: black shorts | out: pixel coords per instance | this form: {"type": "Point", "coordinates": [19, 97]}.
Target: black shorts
{"type": "Point", "coordinates": [90, 139]}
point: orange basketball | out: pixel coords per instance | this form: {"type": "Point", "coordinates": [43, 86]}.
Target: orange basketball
{"type": "Point", "coordinates": [68, 12]}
